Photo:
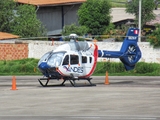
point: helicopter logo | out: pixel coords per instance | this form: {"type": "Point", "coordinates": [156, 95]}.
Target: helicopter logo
{"type": "Point", "coordinates": [76, 60]}
{"type": "Point", "coordinates": [74, 69]}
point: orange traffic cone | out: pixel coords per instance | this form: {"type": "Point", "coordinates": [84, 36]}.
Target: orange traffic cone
{"type": "Point", "coordinates": [106, 80]}
{"type": "Point", "coordinates": [13, 83]}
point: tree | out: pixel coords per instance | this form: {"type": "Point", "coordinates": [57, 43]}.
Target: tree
{"type": "Point", "coordinates": [69, 29]}
{"type": "Point", "coordinates": [154, 37]}
{"type": "Point", "coordinates": [147, 10]}
{"type": "Point", "coordinates": [19, 19]}
{"type": "Point", "coordinates": [26, 23]}
{"type": "Point", "coordinates": [95, 15]}
{"type": "Point", "coordinates": [6, 14]}
{"type": "Point", "coordinates": [156, 2]}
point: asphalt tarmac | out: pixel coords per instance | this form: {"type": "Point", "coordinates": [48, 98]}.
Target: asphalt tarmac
{"type": "Point", "coordinates": [125, 98]}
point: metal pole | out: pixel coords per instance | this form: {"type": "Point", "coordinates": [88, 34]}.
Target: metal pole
{"type": "Point", "coordinates": [62, 13]}
{"type": "Point", "coordinates": [140, 6]}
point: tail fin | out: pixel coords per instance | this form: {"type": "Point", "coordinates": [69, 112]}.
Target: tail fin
{"type": "Point", "coordinates": [130, 49]}
{"type": "Point", "coordinates": [129, 53]}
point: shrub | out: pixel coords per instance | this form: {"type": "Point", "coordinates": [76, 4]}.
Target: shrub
{"type": "Point", "coordinates": [29, 67]}
{"type": "Point", "coordinates": [154, 38]}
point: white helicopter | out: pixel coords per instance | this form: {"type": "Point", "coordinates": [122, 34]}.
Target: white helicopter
{"type": "Point", "coordinates": [77, 60]}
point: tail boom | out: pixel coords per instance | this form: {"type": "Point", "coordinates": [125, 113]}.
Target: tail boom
{"type": "Point", "coordinates": [109, 54]}
{"type": "Point", "coordinates": [129, 54]}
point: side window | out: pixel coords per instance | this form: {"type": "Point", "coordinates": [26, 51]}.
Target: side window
{"type": "Point", "coordinates": [84, 59]}
{"type": "Point", "coordinates": [74, 59]}
{"type": "Point", "coordinates": [90, 59]}
{"type": "Point", "coordinates": [66, 60]}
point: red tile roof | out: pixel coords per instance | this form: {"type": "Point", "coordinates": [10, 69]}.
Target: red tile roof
{"type": "Point", "coordinates": [4, 35]}
{"type": "Point", "coordinates": [49, 2]}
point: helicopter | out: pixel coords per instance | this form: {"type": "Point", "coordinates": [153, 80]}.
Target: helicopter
{"type": "Point", "coordinates": [76, 60]}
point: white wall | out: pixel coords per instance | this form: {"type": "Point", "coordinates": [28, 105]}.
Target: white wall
{"type": "Point", "coordinates": [149, 54]}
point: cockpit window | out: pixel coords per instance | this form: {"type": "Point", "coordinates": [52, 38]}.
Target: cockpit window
{"type": "Point", "coordinates": [44, 57]}
{"type": "Point", "coordinates": [66, 60]}
{"type": "Point", "coordinates": [55, 59]}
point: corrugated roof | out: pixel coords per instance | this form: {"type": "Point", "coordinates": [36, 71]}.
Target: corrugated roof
{"type": "Point", "coordinates": [155, 21]}
{"type": "Point", "coordinates": [49, 2]}
{"type": "Point", "coordinates": [4, 36]}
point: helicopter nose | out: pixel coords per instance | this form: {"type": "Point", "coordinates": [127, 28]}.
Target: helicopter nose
{"type": "Point", "coordinates": [43, 66]}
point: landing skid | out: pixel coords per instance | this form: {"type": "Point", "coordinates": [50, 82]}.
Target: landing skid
{"type": "Point", "coordinates": [47, 81]}
{"type": "Point", "coordinates": [72, 81]}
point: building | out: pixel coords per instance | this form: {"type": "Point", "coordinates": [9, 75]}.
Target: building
{"type": "Point", "coordinates": [55, 14]}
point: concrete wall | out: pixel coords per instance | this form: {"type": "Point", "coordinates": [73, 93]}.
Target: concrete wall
{"type": "Point", "coordinates": [35, 49]}
{"type": "Point", "coordinates": [149, 54]}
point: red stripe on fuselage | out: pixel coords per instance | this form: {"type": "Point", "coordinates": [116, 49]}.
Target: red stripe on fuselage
{"type": "Point", "coordinates": [60, 72]}
{"type": "Point", "coordinates": [95, 61]}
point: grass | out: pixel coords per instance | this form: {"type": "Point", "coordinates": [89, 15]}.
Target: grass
{"type": "Point", "coordinates": [118, 3]}
{"type": "Point", "coordinates": [19, 67]}
{"type": "Point", "coordinates": [117, 69]}
{"type": "Point", "coordinates": [29, 67]}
